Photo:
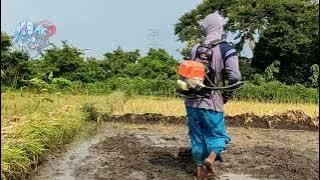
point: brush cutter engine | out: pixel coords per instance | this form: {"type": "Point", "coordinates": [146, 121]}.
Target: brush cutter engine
{"type": "Point", "coordinates": [196, 75]}
{"type": "Point", "coordinates": [192, 76]}
{"type": "Point", "coordinates": [192, 81]}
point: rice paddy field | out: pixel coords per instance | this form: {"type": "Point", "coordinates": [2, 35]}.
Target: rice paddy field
{"type": "Point", "coordinates": [143, 137]}
{"type": "Point", "coordinates": [175, 107]}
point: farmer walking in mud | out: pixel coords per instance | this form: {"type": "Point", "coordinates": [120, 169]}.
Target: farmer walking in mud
{"type": "Point", "coordinates": [205, 115]}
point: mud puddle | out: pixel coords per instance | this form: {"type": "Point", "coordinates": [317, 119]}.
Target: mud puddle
{"type": "Point", "coordinates": [142, 152]}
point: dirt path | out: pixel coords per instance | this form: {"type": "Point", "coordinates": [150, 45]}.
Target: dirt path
{"type": "Point", "coordinates": [160, 151]}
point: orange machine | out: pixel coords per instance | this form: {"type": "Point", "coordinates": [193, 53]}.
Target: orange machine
{"type": "Point", "coordinates": [191, 84]}
{"type": "Point", "coordinates": [192, 70]}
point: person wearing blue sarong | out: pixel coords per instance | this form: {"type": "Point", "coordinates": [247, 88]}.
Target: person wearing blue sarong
{"type": "Point", "coordinates": [205, 116]}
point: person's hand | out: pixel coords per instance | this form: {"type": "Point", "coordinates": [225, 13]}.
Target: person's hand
{"type": "Point", "coordinates": [226, 96]}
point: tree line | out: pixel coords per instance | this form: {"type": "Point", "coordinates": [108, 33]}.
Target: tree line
{"type": "Point", "coordinates": [65, 69]}
{"type": "Point", "coordinates": [285, 56]}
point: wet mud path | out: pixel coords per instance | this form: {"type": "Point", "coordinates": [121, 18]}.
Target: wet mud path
{"type": "Point", "coordinates": [160, 151]}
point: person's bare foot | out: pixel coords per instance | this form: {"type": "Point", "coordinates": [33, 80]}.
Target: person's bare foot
{"type": "Point", "coordinates": [210, 163]}
{"type": "Point", "coordinates": [200, 173]}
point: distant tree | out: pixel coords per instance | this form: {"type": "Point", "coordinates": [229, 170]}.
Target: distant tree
{"type": "Point", "coordinates": [157, 64]}
{"type": "Point", "coordinates": [288, 32]}
{"type": "Point", "coordinates": [63, 62]}
{"type": "Point", "coordinates": [5, 42]}
{"type": "Point", "coordinates": [94, 69]}
{"type": "Point", "coordinates": [14, 64]}
{"type": "Point", "coordinates": [292, 38]}
{"type": "Point", "coordinates": [115, 62]}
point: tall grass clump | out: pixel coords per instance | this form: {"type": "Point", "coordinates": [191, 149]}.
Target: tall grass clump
{"type": "Point", "coordinates": [29, 141]}
{"type": "Point", "coordinates": [91, 112]}
{"type": "Point", "coordinates": [33, 125]}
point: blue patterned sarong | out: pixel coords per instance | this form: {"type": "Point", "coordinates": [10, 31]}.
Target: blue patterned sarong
{"type": "Point", "coordinates": [207, 133]}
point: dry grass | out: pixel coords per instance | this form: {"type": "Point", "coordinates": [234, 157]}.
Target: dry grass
{"type": "Point", "coordinates": [33, 125]}
{"type": "Point", "coordinates": [173, 106]}
{"type": "Point", "coordinates": [15, 106]}
{"type": "Point", "coordinates": [260, 108]}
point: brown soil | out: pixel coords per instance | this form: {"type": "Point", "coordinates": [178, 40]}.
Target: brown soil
{"type": "Point", "coordinates": [141, 152]}
{"type": "Point", "coordinates": [131, 156]}
{"type": "Point", "coordinates": [293, 120]}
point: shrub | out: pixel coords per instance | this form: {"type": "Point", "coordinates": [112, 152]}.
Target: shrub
{"type": "Point", "coordinates": [91, 112]}
{"type": "Point", "coordinates": [61, 83]}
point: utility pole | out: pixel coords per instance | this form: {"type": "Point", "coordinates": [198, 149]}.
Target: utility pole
{"type": "Point", "coordinates": [153, 35]}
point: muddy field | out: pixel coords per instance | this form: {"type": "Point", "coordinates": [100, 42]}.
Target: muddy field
{"type": "Point", "coordinates": [141, 147]}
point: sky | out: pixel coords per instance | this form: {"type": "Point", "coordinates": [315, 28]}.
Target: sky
{"type": "Point", "coordinates": [103, 25]}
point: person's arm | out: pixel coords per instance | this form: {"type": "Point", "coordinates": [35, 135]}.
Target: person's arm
{"type": "Point", "coordinates": [232, 70]}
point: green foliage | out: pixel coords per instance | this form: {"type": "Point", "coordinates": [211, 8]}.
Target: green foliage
{"type": "Point", "coordinates": [3, 75]}
{"type": "Point", "coordinates": [314, 78]}
{"type": "Point", "coordinates": [61, 83]}
{"type": "Point", "coordinates": [272, 71]}
{"type": "Point", "coordinates": [15, 66]}
{"type": "Point", "coordinates": [157, 64]}
{"type": "Point", "coordinates": [5, 42]}
{"type": "Point", "coordinates": [97, 88]}
{"type": "Point", "coordinates": [259, 89]}
{"type": "Point", "coordinates": [63, 62]}
{"type": "Point", "coordinates": [142, 86]}
{"type": "Point", "coordinates": [247, 72]}
{"type": "Point", "coordinates": [37, 85]}
{"type": "Point", "coordinates": [277, 92]}
{"type": "Point", "coordinates": [292, 38]}
{"type": "Point", "coordinates": [115, 62]}
{"type": "Point", "coordinates": [92, 71]}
